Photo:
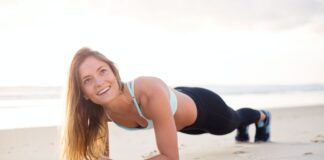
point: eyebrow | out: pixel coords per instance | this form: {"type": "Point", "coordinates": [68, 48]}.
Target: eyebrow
{"type": "Point", "coordinates": [89, 75]}
{"type": "Point", "coordinates": [100, 68]}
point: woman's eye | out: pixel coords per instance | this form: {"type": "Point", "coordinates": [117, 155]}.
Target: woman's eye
{"type": "Point", "coordinates": [87, 81]}
{"type": "Point", "coordinates": [103, 71]}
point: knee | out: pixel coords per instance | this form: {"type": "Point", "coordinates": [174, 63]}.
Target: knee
{"type": "Point", "coordinates": [224, 128]}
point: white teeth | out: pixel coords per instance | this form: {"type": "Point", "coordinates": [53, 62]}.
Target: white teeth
{"type": "Point", "coordinates": [103, 91]}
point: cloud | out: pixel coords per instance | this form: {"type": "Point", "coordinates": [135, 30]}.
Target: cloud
{"type": "Point", "coordinates": [248, 14]}
{"type": "Point", "coordinates": [183, 14]}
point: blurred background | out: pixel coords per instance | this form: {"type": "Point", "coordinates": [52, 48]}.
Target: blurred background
{"type": "Point", "coordinates": [253, 53]}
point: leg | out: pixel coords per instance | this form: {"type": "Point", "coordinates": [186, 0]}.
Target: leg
{"type": "Point", "coordinates": [247, 116]}
{"type": "Point", "coordinates": [193, 131]}
{"type": "Point", "coordinates": [214, 116]}
{"type": "Point", "coordinates": [222, 119]}
{"type": "Point", "coordinates": [262, 125]}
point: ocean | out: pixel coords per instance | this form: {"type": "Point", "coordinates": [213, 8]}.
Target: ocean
{"type": "Point", "coordinates": [24, 107]}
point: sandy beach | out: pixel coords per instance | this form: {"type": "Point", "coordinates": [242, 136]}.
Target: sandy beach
{"type": "Point", "coordinates": [297, 134]}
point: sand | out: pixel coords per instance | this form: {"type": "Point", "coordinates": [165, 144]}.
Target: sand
{"type": "Point", "coordinates": [297, 134]}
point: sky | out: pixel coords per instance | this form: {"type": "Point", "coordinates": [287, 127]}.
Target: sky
{"type": "Point", "coordinates": [183, 42]}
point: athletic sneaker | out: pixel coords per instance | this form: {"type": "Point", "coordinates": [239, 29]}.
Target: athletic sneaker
{"type": "Point", "coordinates": [263, 128]}
{"type": "Point", "coordinates": [242, 134]}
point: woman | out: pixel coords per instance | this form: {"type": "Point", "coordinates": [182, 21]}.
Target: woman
{"type": "Point", "coordinates": [96, 95]}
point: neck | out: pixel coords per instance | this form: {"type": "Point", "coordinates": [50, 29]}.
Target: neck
{"type": "Point", "coordinates": [121, 102]}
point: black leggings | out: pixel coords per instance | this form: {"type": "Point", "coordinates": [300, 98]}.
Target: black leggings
{"type": "Point", "coordinates": [214, 116]}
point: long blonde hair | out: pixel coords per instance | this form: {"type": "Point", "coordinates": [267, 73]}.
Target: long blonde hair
{"type": "Point", "coordinates": [85, 134]}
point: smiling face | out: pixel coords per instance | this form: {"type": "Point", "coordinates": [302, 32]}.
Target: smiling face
{"type": "Point", "coordinates": [97, 80]}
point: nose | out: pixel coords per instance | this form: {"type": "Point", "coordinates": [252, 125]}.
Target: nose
{"type": "Point", "coordinates": [99, 82]}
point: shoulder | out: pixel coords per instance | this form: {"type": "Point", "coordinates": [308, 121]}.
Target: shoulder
{"type": "Point", "coordinates": [148, 79]}
{"type": "Point", "coordinates": [150, 86]}
{"type": "Point", "coordinates": [152, 93]}
{"type": "Point", "coordinates": [144, 83]}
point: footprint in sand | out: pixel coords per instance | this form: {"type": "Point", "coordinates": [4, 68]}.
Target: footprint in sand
{"type": "Point", "coordinates": [151, 154]}
{"type": "Point", "coordinates": [182, 146]}
{"type": "Point", "coordinates": [318, 139]}
{"type": "Point", "coordinates": [239, 152]}
{"type": "Point", "coordinates": [308, 153]}
{"type": "Point", "coordinates": [320, 136]}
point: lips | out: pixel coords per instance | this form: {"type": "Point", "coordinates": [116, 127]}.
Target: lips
{"type": "Point", "coordinates": [103, 91]}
